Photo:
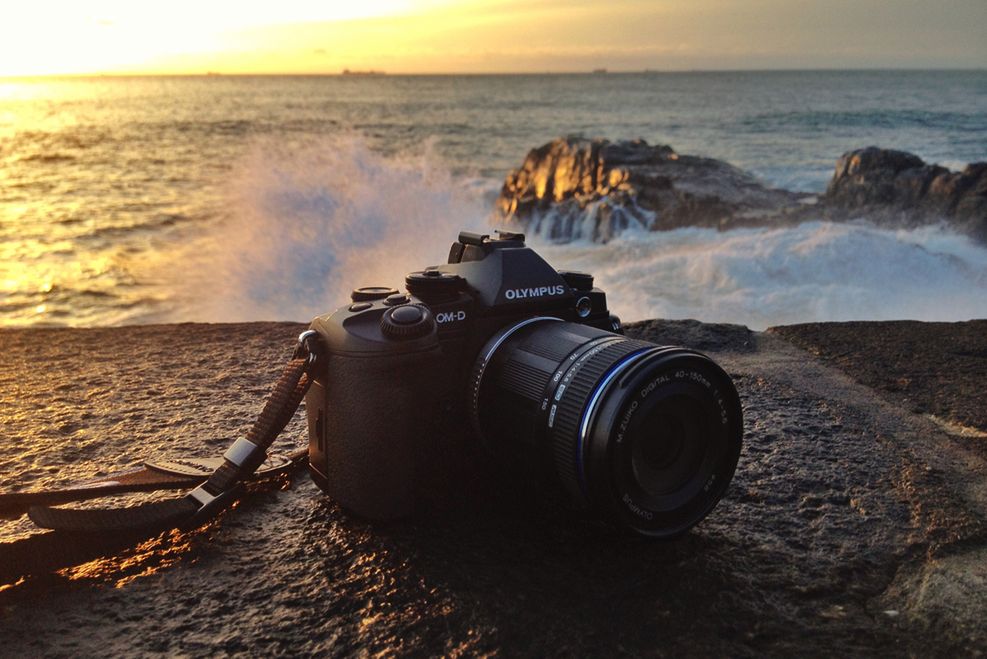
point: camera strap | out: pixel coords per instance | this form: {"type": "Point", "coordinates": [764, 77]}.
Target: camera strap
{"type": "Point", "coordinates": [223, 486]}
{"type": "Point", "coordinates": [176, 473]}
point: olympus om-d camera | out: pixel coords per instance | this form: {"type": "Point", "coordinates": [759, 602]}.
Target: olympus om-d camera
{"type": "Point", "coordinates": [499, 349]}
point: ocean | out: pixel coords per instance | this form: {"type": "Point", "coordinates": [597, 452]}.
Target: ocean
{"type": "Point", "coordinates": [228, 198]}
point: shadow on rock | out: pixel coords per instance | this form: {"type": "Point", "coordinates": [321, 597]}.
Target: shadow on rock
{"type": "Point", "coordinates": [516, 571]}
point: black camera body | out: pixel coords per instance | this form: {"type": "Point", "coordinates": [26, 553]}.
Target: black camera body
{"type": "Point", "coordinates": [497, 348]}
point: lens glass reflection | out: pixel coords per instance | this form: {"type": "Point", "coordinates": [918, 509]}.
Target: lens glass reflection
{"type": "Point", "coordinates": [668, 447]}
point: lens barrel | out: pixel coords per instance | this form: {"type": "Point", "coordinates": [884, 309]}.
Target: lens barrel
{"type": "Point", "coordinates": [647, 435]}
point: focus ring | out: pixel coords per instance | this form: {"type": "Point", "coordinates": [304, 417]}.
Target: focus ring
{"type": "Point", "coordinates": [580, 384]}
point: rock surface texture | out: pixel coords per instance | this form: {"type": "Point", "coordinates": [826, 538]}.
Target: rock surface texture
{"type": "Point", "coordinates": [852, 527]}
{"type": "Point", "coordinates": [943, 374]}
{"type": "Point", "coordinates": [576, 188]}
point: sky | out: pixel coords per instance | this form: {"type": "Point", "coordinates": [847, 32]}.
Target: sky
{"type": "Point", "coordinates": [50, 37]}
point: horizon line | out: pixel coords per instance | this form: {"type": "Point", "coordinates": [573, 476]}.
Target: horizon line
{"type": "Point", "coordinates": [376, 73]}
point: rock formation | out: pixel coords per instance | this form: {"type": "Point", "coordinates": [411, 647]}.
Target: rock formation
{"type": "Point", "coordinates": [576, 188]}
{"type": "Point", "coordinates": [895, 187]}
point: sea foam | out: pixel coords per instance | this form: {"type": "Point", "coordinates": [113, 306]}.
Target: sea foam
{"type": "Point", "coordinates": [816, 271]}
{"type": "Point", "coordinates": [308, 225]}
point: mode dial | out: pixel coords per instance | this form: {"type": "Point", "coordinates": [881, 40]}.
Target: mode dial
{"type": "Point", "coordinates": [433, 285]}
{"type": "Point", "coordinates": [408, 321]}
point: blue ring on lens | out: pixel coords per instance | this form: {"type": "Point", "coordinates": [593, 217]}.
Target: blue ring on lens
{"type": "Point", "coordinates": [594, 398]}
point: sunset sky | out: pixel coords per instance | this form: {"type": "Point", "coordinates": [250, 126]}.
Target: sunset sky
{"type": "Point", "coordinates": [45, 37]}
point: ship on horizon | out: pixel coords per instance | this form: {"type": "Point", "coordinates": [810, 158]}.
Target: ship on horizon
{"type": "Point", "coordinates": [368, 72]}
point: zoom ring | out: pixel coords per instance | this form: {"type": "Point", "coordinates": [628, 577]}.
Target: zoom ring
{"type": "Point", "coordinates": [580, 383]}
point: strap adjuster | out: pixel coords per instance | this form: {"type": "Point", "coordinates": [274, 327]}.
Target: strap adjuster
{"type": "Point", "coordinates": [243, 451]}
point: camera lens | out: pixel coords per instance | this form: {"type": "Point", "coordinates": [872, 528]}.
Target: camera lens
{"type": "Point", "coordinates": [648, 435]}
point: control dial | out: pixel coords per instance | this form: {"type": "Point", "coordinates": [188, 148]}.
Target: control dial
{"type": "Point", "coordinates": [408, 321]}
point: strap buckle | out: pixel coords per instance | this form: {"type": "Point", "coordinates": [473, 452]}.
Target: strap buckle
{"type": "Point", "coordinates": [209, 504]}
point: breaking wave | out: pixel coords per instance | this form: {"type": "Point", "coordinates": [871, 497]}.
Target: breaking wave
{"type": "Point", "coordinates": [816, 271]}
{"type": "Point", "coordinates": [308, 226]}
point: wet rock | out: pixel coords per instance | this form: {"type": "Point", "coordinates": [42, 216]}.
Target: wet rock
{"type": "Point", "coordinates": [899, 188]}
{"type": "Point", "coordinates": [578, 188]}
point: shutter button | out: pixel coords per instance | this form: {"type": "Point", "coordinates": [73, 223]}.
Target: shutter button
{"type": "Point", "coordinates": [396, 299]}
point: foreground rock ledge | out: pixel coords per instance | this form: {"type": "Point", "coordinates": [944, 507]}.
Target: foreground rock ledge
{"type": "Point", "coordinates": [852, 527]}
{"type": "Point", "coordinates": [577, 188]}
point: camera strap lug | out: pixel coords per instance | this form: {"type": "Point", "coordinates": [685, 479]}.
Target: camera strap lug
{"type": "Point", "coordinates": [223, 485]}
{"type": "Point", "coordinates": [310, 347]}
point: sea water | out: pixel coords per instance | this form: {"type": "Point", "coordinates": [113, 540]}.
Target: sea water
{"type": "Point", "coordinates": [222, 198]}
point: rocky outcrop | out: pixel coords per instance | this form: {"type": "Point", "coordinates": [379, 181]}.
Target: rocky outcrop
{"type": "Point", "coordinates": [896, 187]}
{"type": "Point", "coordinates": [576, 188]}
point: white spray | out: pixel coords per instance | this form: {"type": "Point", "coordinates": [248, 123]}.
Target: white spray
{"type": "Point", "coordinates": [308, 225]}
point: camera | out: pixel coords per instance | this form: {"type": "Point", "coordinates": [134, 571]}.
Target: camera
{"type": "Point", "coordinates": [496, 349]}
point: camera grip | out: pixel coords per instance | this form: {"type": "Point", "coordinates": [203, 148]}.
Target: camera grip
{"type": "Point", "coordinates": [367, 422]}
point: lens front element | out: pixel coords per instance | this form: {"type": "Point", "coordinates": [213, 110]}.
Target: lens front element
{"type": "Point", "coordinates": [667, 449]}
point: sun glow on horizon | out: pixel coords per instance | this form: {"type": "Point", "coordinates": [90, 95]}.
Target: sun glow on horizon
{"type": "Point", "coordinates": [61, 37]}
{"type": "Point", "coordinates": [66, 37]}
